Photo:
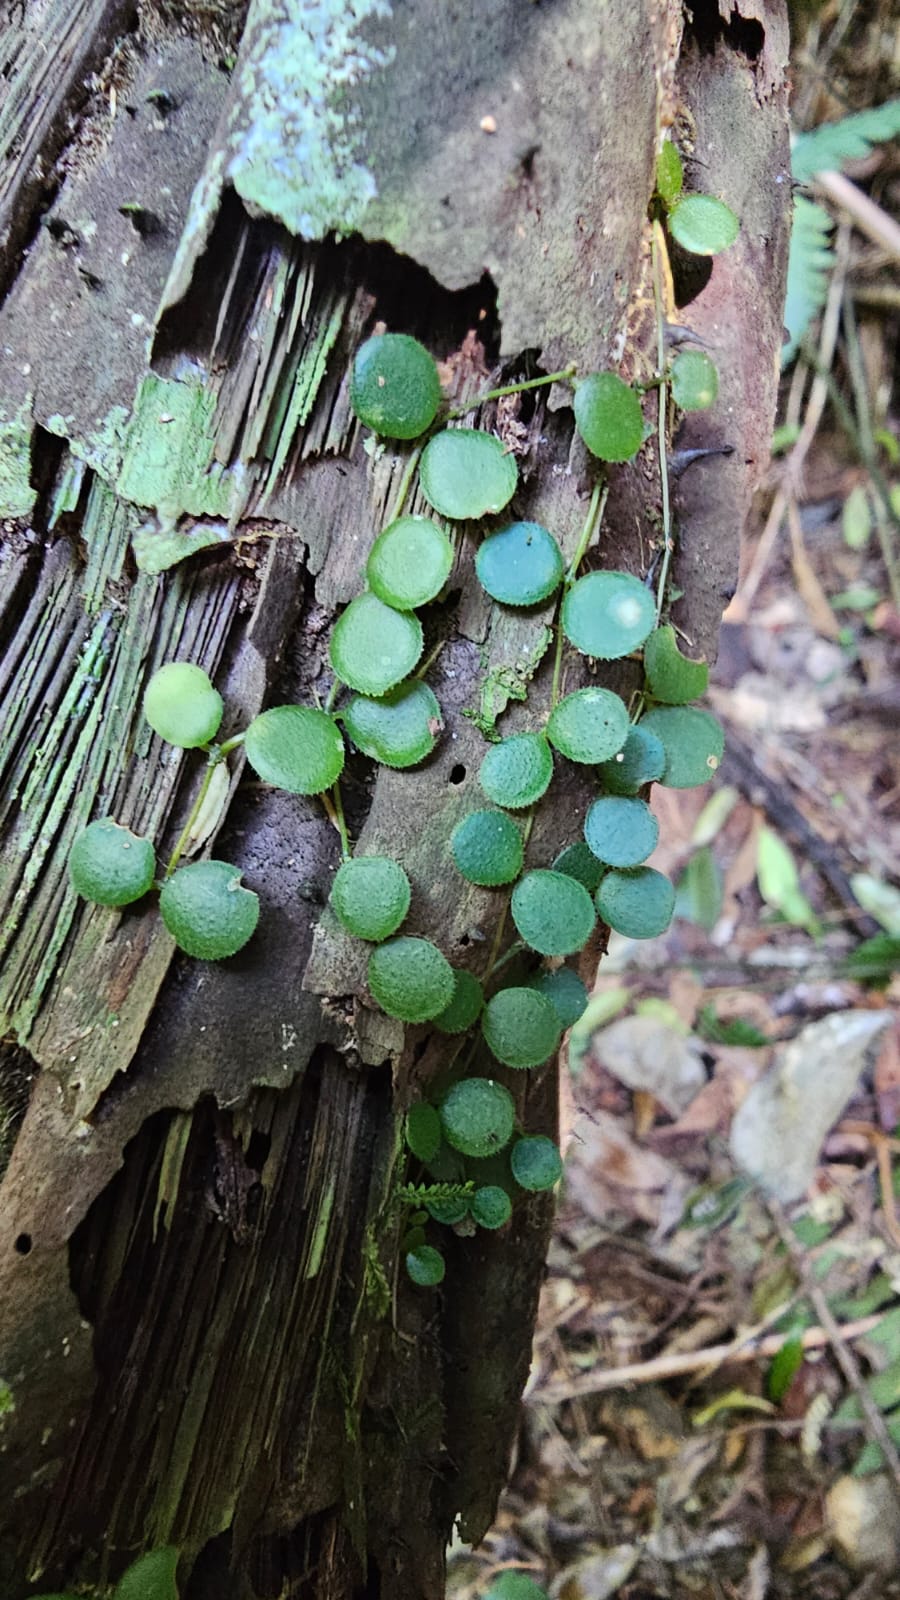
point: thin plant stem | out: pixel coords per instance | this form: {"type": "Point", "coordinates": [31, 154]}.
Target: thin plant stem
{"type": "Point", "coordinates": [514, 950]}
{"type": "Point", "coordinates": [335, 810]}
{"type": "Point", "coordinates": [333, 693]}
{"type": "Point", "coordinates": [185, 834]}
{"type": "Point", "coordinates": [234, 743]}
{"type": "Point", "coordinates": [493, 962]}
{"type": "Point", "coordinates": [663, 393]}
{"type": "Point", "coordinates": [508, 388]}
{"type": "Point", "coordinates": [886, 516]}
{"type": "Point", "coordinates": [591, 522]}
{"type": "Point", "coordinates": [409, 473]}
{"type": "Point", "coordinates": [430, 659]}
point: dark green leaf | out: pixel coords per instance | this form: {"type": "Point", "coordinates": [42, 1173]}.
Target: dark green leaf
{"type": "Point", "coordinates": [553, 912]}
{"type": "Point", "coordinates": [400, 729]}
{"type": "Point", "coordinates": [607, 614]}
{"type": "Point", "coordinates": [521, 565]}
{"type": "Point", "coordinates": [394, 386]}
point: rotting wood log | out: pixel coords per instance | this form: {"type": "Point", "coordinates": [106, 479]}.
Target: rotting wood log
{"type": "Point", "coordinates": [204, 1339]}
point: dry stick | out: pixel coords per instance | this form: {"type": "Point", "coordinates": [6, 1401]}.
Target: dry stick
{"type": "Point", "coordinates": [685, 1362]}
{"type": "Point", "coordinates": [867, 215]}
{"type": "Point", "coordinates": [837, 1339]}
{"type": "Point", "coordinates": [746, 592]}
{"type": "Point", "coordinates": [657, 248]}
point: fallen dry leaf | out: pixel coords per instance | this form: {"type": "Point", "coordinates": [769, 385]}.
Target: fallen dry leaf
{"type": "Point", "coordinates": [646, 1054]}
{"type": "Point", "coordinates": [607, 1170]}
{"type": "Point", "coordinates": [778, 1132]}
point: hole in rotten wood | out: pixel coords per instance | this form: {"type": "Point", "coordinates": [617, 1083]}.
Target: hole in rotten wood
{"type": "Point", "coordinates": [22, 1245]}
{"type": "Point", "coordinates": [457, 773]}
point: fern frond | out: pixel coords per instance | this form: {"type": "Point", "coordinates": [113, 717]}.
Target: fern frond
{"type": "Point", "coordinates": [809, 267]}
{"type": "Point", "coordinates": [413, 1194]}
{"type": "Point", "coordinates": [825, 149]}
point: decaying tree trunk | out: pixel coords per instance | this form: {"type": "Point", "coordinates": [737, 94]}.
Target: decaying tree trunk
{"type": "Point", "coordinates": [204, 1340]}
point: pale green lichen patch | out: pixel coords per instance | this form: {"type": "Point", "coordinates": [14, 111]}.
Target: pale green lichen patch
{"type": "Point", "coordinates": [168, 456]}
{"type": "Point", "coordinates": [16, 494]}
{"type": "Point", "coordinates": [102, 448]}
{"type": "Point", "coordinates": [296, 147]}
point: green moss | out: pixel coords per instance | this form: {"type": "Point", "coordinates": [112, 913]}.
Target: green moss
{"type": "Point", "coordinates": [16, 494]}
{"type": "Point", "coordinates": [168, 453]}
{"type": "Point", "coordinates": [297, 155]}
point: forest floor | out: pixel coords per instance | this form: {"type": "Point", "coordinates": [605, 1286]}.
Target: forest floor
{"type": "Point", "coordinates": [750, 1450]}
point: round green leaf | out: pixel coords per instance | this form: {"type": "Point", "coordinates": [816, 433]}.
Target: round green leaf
{"type": "Point", "coordinates": [672, 677]}
{"type": "Point", "coordinates": [693, 741]}
{"type": "Point", "coordinates": [553, 912]}
{"type": "Point", "coordinates": [520, 1027]}
{"type": "Point", "coordinates": [111, 865]}
{"type": "Point", "coordinates": [517, 771]}
{"type": "Point", "coordinates": [409, 563]}
{"type": "Point", "coordinates": [514, 1586]}
{"type": "Point", "coordinates": [478, 1117]}
{"type": "Point", "coordinates": [465, 474]}
{"type": "Point", "coordinates": [589, 725]}
{"type": "Point", "coordinates": [423, 1131]}
{"type": "Point", "coordinates": [487, 848]}
{"type": "Point", "coordinates": [620, 830]}
{"type": "Point", "coordinates": [394, 386]}
{"type": "Point", "coordinates": [206, 910]}
{"type": "Point", "coordinates": [425, 1266]}
{"type": "Point", "coordinates": [464, 1008]}
{"type": "Point", "coordinates": [297, 748]}
{"type": "Point", "coordinates": [638, 904]}
{"type": "Point", "coordinates": [182, 706]}
{"type": "Point", "coordinates": [491, 1206]}
{"type": "Point", "coordinates": [608, 416]}
{"type": "Point", "coordinates": [399, 729]}
{"type": "Point", "coordinates": [370, 896]}
{"type": "Point", "coordinates": [577, 861]}
{"type": "Point", "coordinates": [447, 1212]}
{"type": "Point", "coordinates": [536, 1163]}
{"type": "Point", "coordinates": [151, 1577]}
{"type": "Point", "coordinates": [566, 993]}
{"type": "Point", "coordinates": [641, 760]}
{"type": "Point", "coordinates": [703, 225]}
{"type": "Point", "coordinates": [669, 173]}
{"type": "Point", "coordinates": [410, 979]}
{"type": "Point", "coordinates": [373, 646]}
{"type": "Point", "coordinates": [608, 614]}
{"type": "Point", "coordinates": [521, 565]}
{"type": "Point", "coordinates": [695, 381]}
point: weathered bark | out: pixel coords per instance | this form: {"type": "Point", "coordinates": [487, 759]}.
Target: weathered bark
{"type": "Point", "coordinates": [202, 1329]}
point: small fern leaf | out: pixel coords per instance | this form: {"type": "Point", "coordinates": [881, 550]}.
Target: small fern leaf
{"type": "Point", "coordinates": [825, 149]}
{"type": "Point", "coordinates": [809, 267]}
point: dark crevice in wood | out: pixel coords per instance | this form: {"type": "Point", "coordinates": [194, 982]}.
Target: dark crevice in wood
{"type": "Point", "coordinates": [705, 24]}
{"type": "Point", "coordinates": [18, 1071]}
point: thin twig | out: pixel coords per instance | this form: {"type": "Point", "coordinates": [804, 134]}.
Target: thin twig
{"type": "Point", "coordinates": [683, 1363]}
{"type": "Point", "coordinates": [668, 545]}
{"type": "Point", "coordinates": [740, 606]}
{"type": "Point", "coordinates": [868, 217]}
{"type": "Point", "coordinates": [836, 1337]}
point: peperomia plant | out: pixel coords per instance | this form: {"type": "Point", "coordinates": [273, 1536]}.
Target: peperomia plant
{"type": "Point", "coordinates": [474, 1158]}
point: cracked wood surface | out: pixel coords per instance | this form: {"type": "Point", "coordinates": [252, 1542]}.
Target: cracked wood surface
{"type": "Point", "coordinates": [200, 1317]}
